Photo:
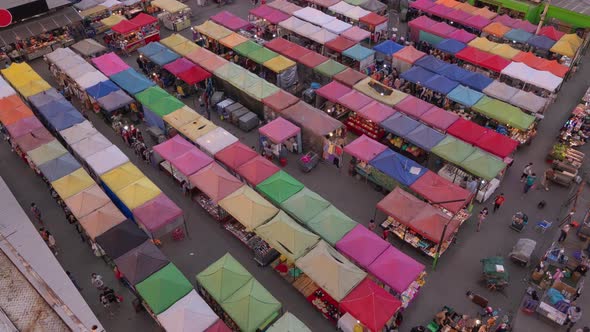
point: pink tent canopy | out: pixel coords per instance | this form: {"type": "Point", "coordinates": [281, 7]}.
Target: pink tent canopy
{"type": "Point", "coordinates": [219, 326]}
{"type": "Point", "coordinates": [439, 118]}
{"type": "Point", "coordinates": [506, 20]}
{"type": "Point", "coordinates": [362, 245]}
{"type": "Point", "coordinates": [34, 139]}
{"type": "Point", "coordinates": [191, 162]}
{"type": "Point", "coordinates": [356, 34]}
{"type": "Point", "coordinates": [23, 126]}
{"type": "Point", "coordinates": [421, 23]}
{"type": "Point", "coordinates": [236, 23]}
{"type": "Point", "coordinates": [310, 118]}
{"type": "Point", "coordinates": [221, 17]}
{"type": "Point", "coordinates": [354, 100]}
{"type": "Point", "coordinates": [278, 45]}
{"type": "Point", "coordinates": [364, 148]}
{"type": "Point", "coordinates": [215, 182]}
{"type": "Point", "coordinates": [333, 91]}
{"type": "Point", "coordinates": [526, 26]}
{"type": "Point", "coordinates": [257, 170]}
{"type": "Point", "coordinates": [438, 189]}
{"type": "Point", "coordinates": [279, 130]}
{"type": "Point", "coordinates": [280, 100]}
{"type": "Point", "coordinates": [409, 54]}
{"type": "Point", "coordinates": [462, 36]}
{"type": "Point", "coordinates": [549, 31]}
{"type": "Point", "coordinates": [109, 64]}
{"type": "Point", "coordinates": [478, 22]}
{"type": "Point", "coordinates": [261, 11]}
{"type": "Point", "coordinates": [439, 10]}
{"type": "Point", "coordinates": [442, 29]}
{"type": "Point", "coordinates": [458, 16]}
{"type": "Point", "coordinates": [396, 269]}
{"type": "Point", "coordinates": [413, 106]}
{"type": "Point", "coordinates": [276, 17]}
{"type": "Point", "coordinates": [235, 155]}
{"type": "Point", "coordinates": [157, 213]}
{"type": "Point", "coordinates": [422, 4]}
{"type": "Point", "coordinates": [377, 112]}
{"type": "Point", "coordinates": [173, 147]}
{"type": "Point", "coordinates": [178, 66]}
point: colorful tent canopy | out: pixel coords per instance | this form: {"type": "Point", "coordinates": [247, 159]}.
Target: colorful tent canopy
{"type": "Point", "coordinates": [396, 269]}
{"type": "Point", "coordinates": [261, 89]}
{"type": "Point", "coordinates": [453, 150]}
{"type": "Point", "coordinates": [541, 42]}
{"type": "Point", "coordinates": [110, 64]}
{"type": "Point", "coordinates": [46, 152]}
{"type": "Point", "coordinates": [101, 220]}
{"type": "Point", "coordinates": [528, 101]}
{"type": "Point", "coordinates": [436, 189]}
{"type": "Point", "coordinates": [287, 237]}
{"type": "Point", "coordinates": [550, 32]}
{"type": "Point", "coordinates": [422, 4]}
{"type": "Point", "coordinates": [33, 139]}
{"type": "Point", "coordinates": [356, 34]}
{"type": "Point", "coordinates": [340, 44]}
{"type": "Point", "coordinates": [199, 55]}
{"type": "Point", "coordinates": [125, 27]}
{"type": "Point", "coordinates": [178, 66]}
{"type": "Point", "coordinates": [354, 101]}
{"type": "Point", "coordinates": [310, 118]}
{"type": "Point", "coordinates": [197, 128]}
{"type": "Point", "coordinates": [388, 47]}
{"type": "Point", "coordinates": [518, 35]}
{"type": "Point", "coordinates": [291, 23]}
{"type": "Point", "coordinates": [306, 57]}
{"type": "Point", "coordinates": [223, 278]}
{"type": "Point", "coordinates": [399, 124]}
{"type": "Point", "coordinates": [364, 148]}
{"type": "Point", "coordinates": [476, 81]}
{"type": "Point", "coordinates": [376, 111]}
{"type": "Point", "coordinates": [322, 36]}
{"type": "Point", "coordinates": [380, 92]}
{"type": "Point", "coordinates": [497, 144]}
{"type": "Point", "coordinates": [358, 52]}
{"type": "Point", "coordinates": [261, 55]}
{"type": "Point", "coordinates": [504, 113]}
{"type": "Point", "coordinates": [331, 224]}
{"type": "Point", "coordinates": [371, 305]}
{"type": "Point", "coordinates": [440, 84]}
{"type": "Point", "coordinates": [121, 176]}
{"type": "Point", "coordinates": [505, 51]}
{"type": "Point", "coordinates": [373, 19]}
{"type": "Point", "coordinates": [362, 245]}
{"type": "Point", "coordinates": [462, 36]}
{"type": "Point", "coordinates": [173, 40]}
{"type": "Point", "coordinates": [57, 168]}
{"type": "Point", "coordinates": [413, 106]}
{"type": "Point", "coordinates": [337, 26]}
{"type": "Point", "coordinates": [314, 16]}
{"type": "Point", "coordinates": [173, 147]}
{"type": "Point", "coordinates": [279, 187]}
{"type": "Point", "coordinates": [257, 170]}
{"type": "Point", "coordinates": [181, 117]}
{"type": "Point", "coordinates": [400, 168]}
{"type": "Point", "coordinates": [424, 137]}
{"type": "Point", "coordinates": [216, 140]}
{"type": "Point", "coordinates": [213, 30]}
{"type": "Point", "coordinates": [90, 47]}
{"type": "Point", "coordinates": [465, 96]}
{"type": "Point", "coordinates": [191, 161]}
{"type": "Point", "coordinates": [401, 205]}
{"type": "Point", "coordinates": [158, 101]}
{"type": "Point", "coordinates": [164, 57]}
{"type": "Point", "coordinates": [114, 101]}
{"type": "Point", "coordinates": [333, 91]}
{"type": "Point", "coordinates": [244, 49]}
{"type": "Point", "coordinates": [121, 239]}
{"type": "Point", "coordinates": [497, 29]}
{"type": "Point", "coordinates": [157, 213]}
{"type": "Point", "coordinates": [349, 77]}
{"type": "Point", "coordinates": [450, 46]}
{"type": "Point", "coordinates": [280, 100]}
{"type": "Point", "coordinates": [305, 205]}
{"type": "Point", "coordinates": [164, 288]}
{"type": "Point", "coordinates": [235, 155]}
{"type": "Point", "coordinates": [278, 45]}
{"type": "Point", "coordinates": [215, 182]}
{"type": "Point", "coordinates": [501, 91]}
{"type": "Point", "coordinates": [330, 68]}
{"type": "Point", "coordinates": [87, 201]}
{"type": "Point", "coordinates": [288, 322]}
{"type": "Point", "coordinates": [73, 183]}
{"type": "Point", "coordinates": [138, 193]}
{"type": "Point", "coordinates": [417, 75]}
{"type": "Point", "coordinates": [23, 126]}
{"type": "Point", "coordinates": [279, 64]}
{"type": "Point", "coordinates": [131, 81]}
{"type": "Point", "coordinates": [190, 312]}
{"type": "Point", "coordinates": [106, 160]}
{"type": "Point", "coordinates": [483, 164]}
{"type": "Point", "coordinates": [248, 208]}
{"type": "Point", "coordinates": [279, 130]}
{"type": "Point", "coordinates": [60, 115]}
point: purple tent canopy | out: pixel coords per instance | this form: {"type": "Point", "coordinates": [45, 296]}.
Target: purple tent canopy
{"type": "Point", "coordinates": [396, 269]}
{"type": "Point", "coordinates": [362, 245]}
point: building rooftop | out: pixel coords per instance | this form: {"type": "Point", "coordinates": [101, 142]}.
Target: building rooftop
{"type": "Point", "coordinates": [578, 6]}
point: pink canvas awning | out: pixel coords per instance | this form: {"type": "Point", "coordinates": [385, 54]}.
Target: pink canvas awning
{"type": "Point", "coordinates": [178, 66]}
{"type": "Point", "coordinates": [377, 112]}
{"type": "Point", "coordinates": [356, 34]}
{"type": "Point", "coordinates": [261, 11]}
{"type": "Point", "coordinates": [439, 10]}
{"type": "Point", "coordinates": [23, 126]}
{"type": "Point", "coordinates": [442, 29]}
{"type": "Point", "coordinates": [309, 59]}
{"type": "Point", "coordinates": [526, 26]}
{"type": "Point", "coordinates": [401, 205]}
{"type": "Point", "coordinates": [280, 100]}
{"type": "Point", "coordinates": [413, 106]}
{"type": "Point", "coordinates": [354, 100]}
{"type": "Point", "coordinates": [409, 54]}
{"type": "Point", "coordinates": [435, 188]}
{"type": "Point", "coordinates": [110, 64]}
{"type": "Point", "coordinates": [279, 130]}
{"type": "Point", "coordinates": [257, 170]}
{"type": "Point", "coordinates": [215, 182]}
{"type": "Point", "coordinates": [422, 5]}
{"type": "Point", "coordinates": [396, 269]}
{"type": "Point", "coordinates": [362, 245]}
{"type": "Point", "coordinates": [236, 155]}
{"type": "Point", "coordinates": [157, 213]}
{"type": "Point", "coordinates": [173, 147]}
{"type": "Point", "coordinates": [439, 118]}
{"type": "Point", "coordinates": [458, 16]}
{"type": "Point", "coordinates": [364, 148]}
{"type": "Point", "coordinates": [462, 36]}
{"type": "Point", "coordinates": [333, 91]}
{"type": "Point", "coordinates": [191, 162]}
{"type": "Point", "coordinates": [478, 22]}
{"type": "Point", "coordinates": [311, 118]}
{"type": "Point", "coordinates": [278, 45]}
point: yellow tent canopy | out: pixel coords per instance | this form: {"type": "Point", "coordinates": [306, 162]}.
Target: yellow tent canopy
{"type": "Point", "coordinates": [279, 64]}
{"type": "Point", "coordinates": [112, 20]}
{"type": "Point", "coordinates": [171, 6]}
{"type": "Point", "coordinates": [233, 40]}
{"type": "Point", "coordinates": [482, 44]}
{"type": "Point", "coordinates": [137, 193]}
{"type": "Point", "coordinates": [197, 128]}
{"type": "Point", "coordinates": [506, 51]}
{"type": "Point", "coordinates": [213, 30]}
{"type": "Point", "coordinates": [365, 88]}
{"type": "Point", "coordinates": [573, 39]}
{"type": "Point", "coordinates": [248, 207]}
{"type": "Point", "coordinates": [16, 69]}
{"type": "Point", "coordinates": [122, 176]}
{"type": "Point", "coordinates": [185, 48]}
{"type": "Point", "coordinates": [180, 117]}
{"type": "Point", "coordinates": [485, 12]}
{"type": "Point", "coordinates": [72, 183]}
{"type": "Point", "coordinates": [199, 55]}
{"type": "Point", "coordinates": [46, 152]}
{"type": "Point", "coordinates": [173, 40]}
{"type": "Point", "coordinates": [93, 11]}
{"type": "Point", "coordinates": [567, 45]}
{"type": "Point", "coordinates": [33, 87]}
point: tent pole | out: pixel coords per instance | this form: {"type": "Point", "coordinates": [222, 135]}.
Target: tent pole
{"type": "Point", "coordinates": [185, 227]}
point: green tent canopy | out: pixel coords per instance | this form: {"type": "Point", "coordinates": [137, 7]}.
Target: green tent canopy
{"type": "Point", "coordinates": [244, 79]}
{"type": "Point", "coordinates": [261, 89]}
{"type": "Point", "coordinates": [251, 306]}
{"type": "Point", "coordinates": [279, 187]}
{"type": "Point", "coordinates": [452, 150]}
{"type": "Point", "coordinates": [330, 68]}
{"type": "Point", "coordinates": [305, 205]}
{"type": "Point", "coordinates": [163, 288]}
{"type": "Point", "coordinates": [159, 101]}
{"type": "Point", "coordinates": [151, 95]}
{"type": "Point", "coordinates": [483, 164]}
{"type": "Point", "coordinates": [245, 48]}
{"type": "Point", "coordinates": [331, 224]}
{"type": "Point", "coordinates": [288, 323]}
{"type": "Point", "coordinates": [228, 70]}
{"type": "Point", "coordinates": [430, 38]}
{"type": "Point", "coordinates": [503, 113]}
{"type": "Point", "coordinates": [262, 55]}
{"type": "Point", "coordinates": [223, 278]}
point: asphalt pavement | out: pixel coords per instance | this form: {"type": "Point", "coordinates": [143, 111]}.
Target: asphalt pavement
{"type": "Point", "coordinates": [458, 271]}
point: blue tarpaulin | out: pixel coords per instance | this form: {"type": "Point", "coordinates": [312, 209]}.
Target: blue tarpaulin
{"type": "Point", "coordinates": [431, 63]}
{"type": "Point", "coordinates": [399, 124]}
{"type": "Point", "coordinates": [101, 89]}
{"type": "Point", "coordinates": [60, 115]}
{"type": "Point", "coordinates": [417, 75]}
{"type": "Point", "coordinates": [151, 49]}
{"type": "Point", "coordinates": [425, 137]}
{"type": "Point", "coordinates": [45, 98]}
{"type": "Point", "coordinates": [455, 73]}
{"type": "Point", "coordinates": [450, 46]}
{"type": "Point", "coordinates": [402, 169]}
{"type": "Point", "coordinates": [518, 35]}
{"type": "Point", "coordinates": [388, 47]}
{"type": "Point", "coordinates": [477, 81]}
{"type": "Point", "coordinates": [541, 42]}
{"type": "Point", "coordinates": [441, 84]}
{"type": "Point", "coordinates": [131, 81]}
{"type": "Point", "coordinates": [358, 52]}
{"type": "Point", "coordinates": [152, 119]}
{"type": "Point", "coordinates": [465, 96]}
{"type": "Point", "coordinates": [163, 58]}
{"type": "Point", "coordinates": [58, 168]}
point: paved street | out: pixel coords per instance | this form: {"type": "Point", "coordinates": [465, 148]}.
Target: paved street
{"type": "Point", "coordinates": [459, 269]}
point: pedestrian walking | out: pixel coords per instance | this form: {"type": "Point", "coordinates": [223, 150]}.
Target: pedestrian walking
{"type": "Point", "coordinates": [36, 213]}
{"type": "Point", "coordinates": [526, 171]}
{"type": "Point", "coordinates": [530, 181]}
{"type": "Point", "coordinates": [96, 280]}
{"type": "Point", "coordinates": [185, 188]}
{"type": "Point", "coordinates": [372, 225]}
{"type": "Point", "coordinates": [574, 313]}
{"type": "Point", "coordinates": [498, 202]}
{"type": "Point", "coordinates": [49, 240]}
{"type": "Point", "coordinates": [481, 217]}
{"type": "Point", "coordinates": [74, 281]}
{"type": "Point", "coordinates": [564, 230]}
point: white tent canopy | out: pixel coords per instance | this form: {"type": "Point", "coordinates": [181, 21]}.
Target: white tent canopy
{"type": "Point", "coordinates": [314, 16]}
{"type": "Point", "coordinates": [90, 79]}
{"type": "Point", "coordinates": [291, 23]}
{"type": "Point", "coordinates": [306, 29]}
{"type": "Point", "coordinates": [107, 159]}
{"type": "Point", "coordinates": [323, 36]}
{"type": "Point", "coordinates": [528, 101]}
{"type": "Point", "coordinates": [69, 61]}
{"type": "Point", "coordinates": [501, 91]}
{"type": "Point", "coordinates": [288, 323]}
{"type": "Point", "coordinates": [216, 140]}
{"type": "Point", "coordinates": [337, 26]}
{"type": "Point", "coordinates": [330, 270]}
{"type": "Point", "coordinates": [79, 70]}
{"type": "Point", "coordinates": [356, 13]}
{"type": "Point", "coordinates": [91, 145]}
{"type": "Point", "coordinates": [341, 8]}
{"type": "Point", "coordinates": [191, 313]}
{"type": "Point", "coordinates": [60, 54]}
{"type": "Point", "coordinates": [5, 89]}
{"type": "Point", "coordinates": [111, 3]}
{"type": "Point", "coordinates": [78, 132]}
{"type": "Point", "coordinates": [539, 78]}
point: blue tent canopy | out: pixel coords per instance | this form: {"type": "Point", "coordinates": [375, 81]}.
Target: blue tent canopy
{"type": "Point", "coordinates": [152, 119]}
{"type": "Point", "coordinates": [358, 52]}
{"type": "Point", "coordinates": [542, 42]}
{"type": "Point", "coordinates": [64, 119]}
{"type": "Point", "coordinates": [400, 168]}
{"type": "Point", "coordinates": [425, 137]}
{"type": "Point", "coordinates": [465, 96]}
{"type": "Point", "coordinates": [518, 35]}
{"type": "Point", "coordinates": [131, 81]}
{"type": "Point", "coordinates": [399, 124]}
{"type": "Point", "coordinates": [441, 84]}
{"type": "Point", "coordinates": [417, 75]}
{"type": "Point", "coordinates": [45, 97]}
{"type": "Point", "coordinates": [54, 107]}
{"type": "Point", "coordinates": [151, 49]}
{"type": "Point", "coordinates": [164, 57]}
{"type": "Point", "coordinates": [455, 72]}
{"type": "Point", "coordinates": [450, 46]}
{"type": "Point", "coordinates": [477, 81]}
{"type": "Point", "coordinates": [388, 47]}
{"type": "Point", "coordinates": [58, 168]}
{"type": "Point", "coordinates": [102, 89]}
{"type": "Point", "coordinates": [114, 100]}
{"type": "Point", "coordinates": [431, 63]}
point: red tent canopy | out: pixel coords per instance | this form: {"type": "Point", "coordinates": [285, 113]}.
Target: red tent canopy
{"type": "Point", "coordinates": [495, 63]}
{"type": "Point", "coordinates": [430, 223]}
{"type": "Point", "coordinates": [496, 143]}
{"type": "Point", "coordinates": [333, 91]}
{"type": "Point", "coordinates": [276, 17]}
{"type": "Point", "coordinates": [178, 66]}
{"type": "Point", "coordinates": [371, 305]}
{"type": "Point", "coordinates": [279, 130]}
{"type": "Point", "coordinates": [413, 106]}
{"type": "Point", "coordinates": [473, 55]}
{"type": "Point", "coordinates": [349, 77]}
{"type": "Point", "coordinates": [261, 11]}
{"type": "Point", "coordinates": [550, 32]}
{"type": "Point", "coordinates": [296, 52]}
{"type": "Point", "coordinates": [340, 44]}
{"type": "Point", "coordinates": [422, 4]}
{"type": "Point", "coordinates": [373, 19]}
{"type": "Point", "coordinates": [466, 130]}
{"type": "Point", "coordinates": [124, 27]}
{"type": "Point", "coordinates": [194, 75]}
{"type": "Point", "coordinates": [257, 170]}
{"type": "Point", "coordinates": [435, 189]}
{"type": "Point", "coordinates": [311, 59]}
{"type": "Point", "coordinates": [280, 100]}
{"type": "Point", "coordinates": [364, 148]}
{"type": "Point", "coordinates": [143, 19]}
{"type": "Point", "coordinates": [157, 213]}
{"type": "Point", "coordinates": [278, 45]}
{"type": "Point", "coordinates": [401, 205]}
{"type": "Point", "coordinates": [236, 155]}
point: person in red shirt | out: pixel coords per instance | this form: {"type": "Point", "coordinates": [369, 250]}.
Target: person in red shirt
{"type": "Point", "coordinates": [386, 232]}
{"type": "Point", "coordinates": [499, 201]}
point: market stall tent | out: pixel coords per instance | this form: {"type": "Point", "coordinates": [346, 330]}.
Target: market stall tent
{"type": "Point", "coordinates": [396, 269]}
{"type": "Point", "coordinates": [280, 100]}
{"type": "Point", "coordinates": [159, 216]}
{"type": "Point", "coordinates": [33, 139]}
{"type": "Point", "coordinates": [450, 46]}
{"type": "Point", "coordinates": [89, 47]}
{"type": "Point", "coordinates": [164, 288]}
{"type": "Point", "coordinates": [257, 170]}
{"type": "Point", "coordinates": [23, 126]}
{"type": "Point", "coordinates": [279, 187]}
{"type": "Point", "coordinates": [453, 150]}
{"type": "Point", "coordinates": [435, 188]}
{"type": "Point", "coordinates": [402, 169]}
{"type": "Point", "coordinates": [424, 137]}
{"type": "Point", "coordinates": [388, 48]}
{"type": "Point", "coordinates": [173, 148]}
{"type": "Point", "coordinates": [430, 223]}
{"type": "Point", "coordinates": [12, 109]}
{"type": "Point", "coordinates": [218, 326]}
{"type": "Point", "coordinates": [216, 140]}
{"type": "Point", "coordinates": [305, 205]}
{"type": "Point", "coordinates": [362, 245]}
{"type": "Point", "coordinates": [173, 40]}
{"type": "Point", "coordinates": [101, 220]}
{"type": "Point", "coordinates": [137, 193]}
{"type": "Point", "coordinates": [501, 91]}
{"type": "Point", "coordinates": [46, 152]}
{"type": "Point", "coordinates": [399, 124]}
{"type": "Point", "coordinates": [528, 101]}
{"type": "Point", "coordinates": [235, 155]}
{"type": "Point", "coordinates": [333, 91]}
{"type": "Point", "coordinates": [190, 312]}
{"type": "Point", "coordinates": [215, 182]}
{"type": "Point", "coordinates": [497, 144]}
{"type": "Point", "coordinates": [483, 164]}
{"type": "Point", "coordinates": [288, 322]}
{"type": "Point", "coordinates": [379, 92]}
{"type": "Point", "coordinates": [114, 101]}
{"type": "Point", "coordinates": [57, 168]}
{"type": "Point", "coordinates": [413, 106]}
{"type": "Point", "coordinates": [181, 117]}
{"type": "Point", "coordinates": [197, 128]}
{"type": "Point", "coordinates": [330, 270]}
{"type": "Point", "coordinates": [279, 130]}
{"type": "Point", "coordinates": [87, 201]}
{"type": "Point", "coordinates": [364, 148]}
{"type": "Point", "coordinates": [401, 205]}
{"type": "Point", "coordinates": [131, 81]}
{"type": "Point", "coordinates": [541, 42]}
{"type": "Point", "coordinates": [223, 278]}
{"type": "Point", "coordinates": [337, 26]}
{"type": "Point", "coordinates": [141, 262]}
{"type": "Point", "coordinates": [178, 66]}
{"type": "Point", "coordinates": [466, 130]}
{"type": "Point", "coordinates": [330, 68]}
{"type": "Point", "coordinates": [106, 160]}
{"type": "Point", "coordinates": [122, 176]}
{"type": "Point", "coordinates": [310, 118]}
{"type": "Point", "coordinates": [331, 224]}
{"type": "Point", "coordinates": [73, 183]}
{"type": "Point", "coordinates": [110, 64]}
{"type": "Point", "coordinates": [305, 57]}
{"type": "Point", "coordinates": [248, 207]}
{"type": "Point", "coordinates": [376, 111]}
{"type": "Point", "coordinates": [278, 44]}
{"type": "Point", "coordinates": [465, 96]}
{"type": "Point", "coordinates": [191, 162]}
{"type": "Point", "coordinates": [121, 239]}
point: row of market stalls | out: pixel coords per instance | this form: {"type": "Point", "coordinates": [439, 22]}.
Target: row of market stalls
{"type": "Point", "coordinates": [96, 12]}
{"type": "Point", "coordinates": [128, 35]}
{"type": "Point", "coordinates": [108, 196]}
{"type": "Point", "coordinates": [501, 28]}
